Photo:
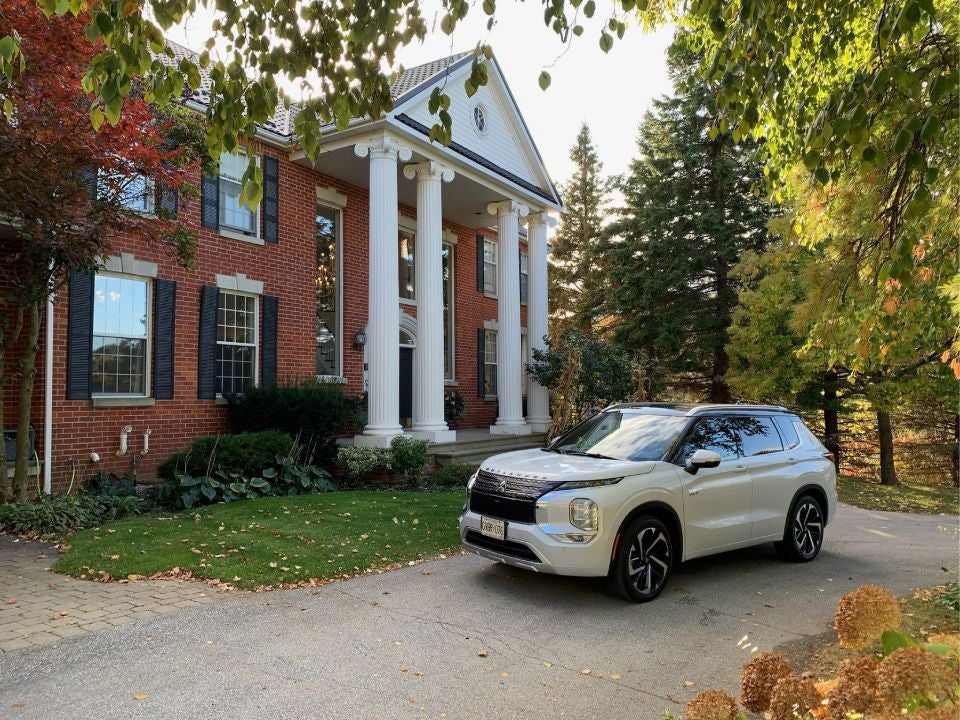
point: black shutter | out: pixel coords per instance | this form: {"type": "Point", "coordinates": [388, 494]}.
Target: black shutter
{"type": "Point", "coordinates": [480, 241]}
{"type": "Point", "coordinates": [523, 280]}
{"type": "Point", "coordinates": [481, 358]}
{"type": "Point", "coordinates": [207, 349]}
{"type": "Point", "coordinates": [271, 199]}
{"type": "Point", "coordinates": [164, 327]}
{"type": "Point", "coordinates": [210, 201]}
{"type": "Point", "coordinates": [168, 200]}
{"type": "Point", "coordinates": [268, 368]}
{"type": "Point", "coordinates": [80, 336]}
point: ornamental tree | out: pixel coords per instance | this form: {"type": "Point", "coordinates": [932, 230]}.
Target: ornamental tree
{"type": "Point", "coordinates": [66, 190]}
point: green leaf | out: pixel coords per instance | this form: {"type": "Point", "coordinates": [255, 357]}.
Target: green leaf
{"type": "Point", "coordinates": [544, 80]}
{"type": "Point", "coordinates": [7, 48]}
{"type": "Point", "coordinates": [606, 42]}
{"type": "Point", "coordinates": [894, 640]}
{"type": "Point", "coordinates": [269, 473]}
{"type": "Point", "coordinates": [259, 483]}
{"type": "Point", "coordinates": [589, 8]}
{"type": "Point", "coordinates": [208, 492]}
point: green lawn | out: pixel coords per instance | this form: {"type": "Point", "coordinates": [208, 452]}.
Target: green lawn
{"type": "Point", "coordinates": [273, 541]}
{"type": "Point", "coordinates": [902, 498]}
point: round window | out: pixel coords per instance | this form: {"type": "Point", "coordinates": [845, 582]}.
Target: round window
{"type": "Point", "coordinates": [480, 118]}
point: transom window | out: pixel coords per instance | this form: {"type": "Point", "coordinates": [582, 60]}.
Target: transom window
{"type": "Point", "coordinates": [480, 118]}
{"type": "Point", "coordinates": [490, 362]}
{"type": "Point", "coordinates": [328, 291]}
{"type": "Point", "coordinates": [120, 334]}
{"type": "Point", "coordinates": [233, 214]}
{"type": "Point", "coordinates": [489, 266]}
{"type": "Point", "coordinates": [236, 342]}
{"type": "Point", "coordinates": [406, 246]}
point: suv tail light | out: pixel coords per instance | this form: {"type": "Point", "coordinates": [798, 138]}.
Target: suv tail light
{"type": "Point", "coordinates": [829, 456]}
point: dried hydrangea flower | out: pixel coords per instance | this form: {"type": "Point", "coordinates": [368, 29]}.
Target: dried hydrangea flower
{"type": "Point", "coordinates": [792, 697]}
{"type": "Point", "coordinates": [863, 615]}
{"type": "Point", "coordinates": [758, 678]}
{"type": "Point", "coordinates": [855, 689]}
{"type": "Point", "coordinates": [712, 705]}
{"type": "Point", "coordinates": [913, 671]}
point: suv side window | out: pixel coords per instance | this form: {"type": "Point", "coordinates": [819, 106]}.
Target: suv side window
{"type": "Point", "coordinates": [788, 432]}
{"type": "Point", "coordinates": [713, 433]}
{"type": "Point", "coordinates": [757, 436]}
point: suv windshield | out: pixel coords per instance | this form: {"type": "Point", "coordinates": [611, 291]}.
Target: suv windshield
{"type": "Point", "coordinates": [621, 435]}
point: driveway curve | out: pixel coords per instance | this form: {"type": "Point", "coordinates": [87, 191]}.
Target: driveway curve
{"type": "Point", "coordinates": [464, 638]}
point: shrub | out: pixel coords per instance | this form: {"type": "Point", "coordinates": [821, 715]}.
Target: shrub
{"type": "Point", "coordinates": [246, 453]}
{"type": "Point", "coordinates": [286, 478]}
{"type": "Point", "coordinates": [360, 460]}
{"type": "Point", "coordinates": [452, 475]}
{"type": "Point", "coordinates": [110, 485]}
{"type": "Point", "coordinates": [408, 456]}
{"type": "Point", "coordinates": [317, 413]}
{"type": "Point", "coordinates": [58, 514]}
{"type": "Point", "coordinates": [453, 407]}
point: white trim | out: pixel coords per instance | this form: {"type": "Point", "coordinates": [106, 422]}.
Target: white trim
{"type": "Point", "coordinates": [405, 222]}
{"type": "Point", "coordinates": [256, 331]}
{"type": "Point", "coordinates": [491, 325]}
{"type": "Point", "coordinates": [235, 235]}
{"type": "Point", "coordinates": [450, 237]}
{"type": "Point", "coordinates": [331, 197]}
{"type": "Point", "coordinates": [128, 264]}
{"type": "Point", "coordinates": [240, 283]}
{"type": "Point", "coordinates": [113, 401]}
{"type": "Point", "coordinates": [147, 337]}
{"type": "Point", "coordinates": [230, 231]}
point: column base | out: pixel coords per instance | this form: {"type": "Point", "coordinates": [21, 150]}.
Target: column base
{"type": "Point", "coordinates": [538, 425]}
{"type": "Point", "coordinates": [521, 429]}
{"type": "Point", "coordinates": [434, 436]}
{"type": "Point", "coordinates": [380, 441]}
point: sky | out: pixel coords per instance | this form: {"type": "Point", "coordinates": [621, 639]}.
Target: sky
{"type": "Point", "coordinates": [610, 92]}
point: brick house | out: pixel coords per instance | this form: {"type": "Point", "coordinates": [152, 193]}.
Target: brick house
{"type": "Point", "coordinates": [392, 265]}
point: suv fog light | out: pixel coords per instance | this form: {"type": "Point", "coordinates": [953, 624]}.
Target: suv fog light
{"type": "Point", "coordinates": [584, 514]}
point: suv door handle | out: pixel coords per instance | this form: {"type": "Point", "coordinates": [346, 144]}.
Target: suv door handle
{"type": "Point", "coordinates": [740, 467]}
{"type": "Point", "coordinates": [695, 491]}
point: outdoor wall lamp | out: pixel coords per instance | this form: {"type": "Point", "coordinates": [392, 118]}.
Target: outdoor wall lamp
{"type": "Point", "coordinates": [359, 340]}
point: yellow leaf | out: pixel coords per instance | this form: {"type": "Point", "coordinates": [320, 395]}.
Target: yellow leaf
{"type": "Point", "coordinates": [616, 676]}
{"type": "Point", "coordinates": [141, 696]}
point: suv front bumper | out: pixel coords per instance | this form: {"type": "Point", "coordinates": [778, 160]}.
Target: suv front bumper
{"type": "Point", "coordinates": [529, 547]}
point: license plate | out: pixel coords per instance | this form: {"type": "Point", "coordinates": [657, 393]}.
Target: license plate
{"type": "Point", "coordinates": [493, 528]}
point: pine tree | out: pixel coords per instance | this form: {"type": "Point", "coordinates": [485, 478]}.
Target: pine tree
{"type": "Point", "coordinates": [690, 211]}
{"type": "Point", "coordinates": [576, 258]}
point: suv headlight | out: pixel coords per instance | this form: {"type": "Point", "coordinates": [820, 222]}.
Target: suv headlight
{"type": "Point", "coordinates": [584, 514]}
{"type": "Point", "coordinates": [575, 484]}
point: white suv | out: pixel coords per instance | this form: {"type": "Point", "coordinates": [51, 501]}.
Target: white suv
{"type": "Point", "coordinates": [636, 489]}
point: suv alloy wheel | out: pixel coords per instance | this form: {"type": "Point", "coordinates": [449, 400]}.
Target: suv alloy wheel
{"type": "Point", "coordinates": [643, 561]}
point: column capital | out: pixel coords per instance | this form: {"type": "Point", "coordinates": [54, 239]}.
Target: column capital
{"type": "Point", "coordinates": [507, 207]}
{"type": "Point", "coordinates": [429, 170]}
{"type": "Point", "coordinates": [383, 147]}
{"type": "Point", "coordinates": [540, 218]}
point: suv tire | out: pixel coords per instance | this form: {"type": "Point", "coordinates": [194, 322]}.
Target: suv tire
{"type": "Point", "coordinates": [643, 561]}
{"type": "Point", "coordinates": [803, 536]}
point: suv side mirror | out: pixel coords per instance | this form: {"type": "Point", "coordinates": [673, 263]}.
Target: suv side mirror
{"type": "Point", "coordinates": [702, 459]}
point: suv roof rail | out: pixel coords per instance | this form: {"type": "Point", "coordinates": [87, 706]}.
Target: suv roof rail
{"type": "Point", "coordinates": [695, 409]}
{"type": "Point", "coordinates": [738, 406]}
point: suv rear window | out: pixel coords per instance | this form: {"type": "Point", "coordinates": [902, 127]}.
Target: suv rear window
{"type": "Point", "coordinates": [788, 431]}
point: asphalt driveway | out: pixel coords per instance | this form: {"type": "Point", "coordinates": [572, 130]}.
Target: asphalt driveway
{"type": "Point", "coordinates": [463, 638]}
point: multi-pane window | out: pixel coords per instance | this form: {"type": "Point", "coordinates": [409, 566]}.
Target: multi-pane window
{"type": "Point", "coordinates": [120, 333]}
{"type": "Point", "coordinates": [406, 247]}
{"type": "Point", "coordinates": [234, 215]}
{"type": "Point", "coordinates": [134, 192]}
{"type": "Point", "coordinates": [490, 362]}
{"type": "Point", "coordinates": [448, 331]}
{"type": "Point", "coordinates": [328, 341]}
{"type": "Point", "coordinates": [236, 342]}
{"type": "Point", "coordinates": [524, 275]}
{"type": "Point", "coordinates": [489, 266]}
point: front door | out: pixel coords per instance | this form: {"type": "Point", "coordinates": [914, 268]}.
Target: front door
{"type": "Point", "coordinates": [406, 386]}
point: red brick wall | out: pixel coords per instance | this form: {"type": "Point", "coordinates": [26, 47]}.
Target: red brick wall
{"type": "Point", "coordinates": [286, 270]}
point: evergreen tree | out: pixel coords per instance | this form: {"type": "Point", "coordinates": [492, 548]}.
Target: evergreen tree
{"type": "Point", "coordinates": [691, 209]}
{"type": "Point", "coordinates": [577, 262]}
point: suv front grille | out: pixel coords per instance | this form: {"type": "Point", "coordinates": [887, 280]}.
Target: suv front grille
{"type": "Point", "coordinates": [507, 497]}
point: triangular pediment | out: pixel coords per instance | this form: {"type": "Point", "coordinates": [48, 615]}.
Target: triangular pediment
{"type": "Point", "coordinates": [488, 129]}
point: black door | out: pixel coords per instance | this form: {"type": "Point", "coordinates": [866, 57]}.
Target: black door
{"type": "Point", "coordinates": [406, 386]}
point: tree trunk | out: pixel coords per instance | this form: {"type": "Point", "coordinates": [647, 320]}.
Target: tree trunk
{"type": "Point", "coordinates": [8, 338]}
{"type": "Point", "coordinates": [28, 374]}
{"type": "Point", "coordinates": [719, 389]}
{"type": "Point", "coordinates": [888, 473]}
{"type": "Point", "coordinates": [955, 464]}
{"type": "Point", "coordinates": [831, 418]}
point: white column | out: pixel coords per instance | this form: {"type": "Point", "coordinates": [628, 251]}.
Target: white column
{"type": "Point", "coordinates": [428, 422]}
{"type": "Point", "coordinates": [509, 394]}
{"type": "Point", "coordinates": [538, 398]}
{"type": "Point", "coordinates": [383, 321]}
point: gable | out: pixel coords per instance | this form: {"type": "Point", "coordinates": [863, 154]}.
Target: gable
{"type": "Point", "coordinates": [504, 145]}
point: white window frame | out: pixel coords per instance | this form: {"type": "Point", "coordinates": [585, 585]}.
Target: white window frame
{"type": "Point", "coordinates": [525, 273]}
{"type": "Point", "coordinates": [487, 332]}
{"type": "Point", "coordinates": [256, 336]}
{"type": "Point", "coordinates": [338, 320]}
{"type": "Point", "coordinates": [148, 339]}
{"type": "Point", "coordinates": [452, 321]}
{"type": "Point", "coordinates": [228, 230]}
{"type": "Point", "coordinates": [490, 282]}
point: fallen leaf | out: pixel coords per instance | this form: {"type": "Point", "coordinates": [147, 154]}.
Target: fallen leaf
{"type": "Point", "coordinates": [12, 601]}
{"type": "Point", "coordinates": [586, 671]}
{"type": "Point", "coordinates": [504, 674]}
{"type": "Point", "coordinates": [482, 653]}
{"type": "Point", "coordinates": [134, 576]}
{"type": "Point", "coordinates": [688, 683]}
{"type": "Point", "coordinates": [18, 706]}
{"type": "Point", "coordinates": [616, 676]}
{"type": "Point", "coordinates": [404, 668]}
{"type": "Point", "coordinates": [547, 665]}
{"type": "Point", "coordinates": [114, 557]}
{"type": "Point", "coordinates": [418, 673]}
{"type": "Point", "coordinates": [141, 696]}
